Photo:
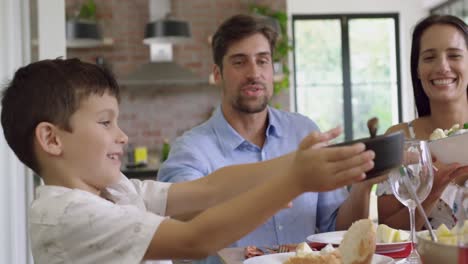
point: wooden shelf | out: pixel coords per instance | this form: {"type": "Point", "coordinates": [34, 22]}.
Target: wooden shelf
{"type": "Point", "coordinates": [89, 43]}
{"type": "Point", "coordinates": [84, 43]}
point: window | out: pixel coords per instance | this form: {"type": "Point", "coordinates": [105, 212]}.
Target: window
{"type": "Point", "coordinates": [347, 71]}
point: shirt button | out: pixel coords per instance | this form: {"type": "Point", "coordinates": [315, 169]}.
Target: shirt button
{"type": "Point", "coordinates": [280, 227]}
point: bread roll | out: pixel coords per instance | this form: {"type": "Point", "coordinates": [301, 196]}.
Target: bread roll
{"type": "Point", "coordinates": [333, 257]}
{"type": "Point", "coordinates": [358, 245]}
{"type": "Point", "coordinates": [305, 255]}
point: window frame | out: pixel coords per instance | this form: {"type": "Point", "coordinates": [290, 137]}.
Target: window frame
{"type": "Point", "coordinates": [346, 60]}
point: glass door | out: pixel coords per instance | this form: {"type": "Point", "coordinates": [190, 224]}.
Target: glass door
{"type": "Point", "coordinates": [347, 71]}
{"type": "Point", "coordinates": [319, 73]}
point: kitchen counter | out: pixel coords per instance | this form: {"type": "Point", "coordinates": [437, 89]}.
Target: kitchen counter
{"type": "Point", "coordinates": [143, 173]}
{"type": "Point", "coordinates": [148, 172]}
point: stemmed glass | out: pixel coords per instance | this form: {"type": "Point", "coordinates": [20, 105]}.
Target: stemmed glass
{"type": "Point", "coordinates": [461, 211]}
{"type": "Point", "coordinates": [415, 173]}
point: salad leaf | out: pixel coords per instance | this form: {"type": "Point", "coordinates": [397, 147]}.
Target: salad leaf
{"type": "Point", "coordinates": [465, 126]}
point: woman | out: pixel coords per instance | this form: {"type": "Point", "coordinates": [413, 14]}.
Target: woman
{"type": "Point", "coordinates": [439, 72]}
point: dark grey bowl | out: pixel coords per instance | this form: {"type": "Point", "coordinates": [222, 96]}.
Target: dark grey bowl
{"type": "Point", "coordinates": [388, 152]}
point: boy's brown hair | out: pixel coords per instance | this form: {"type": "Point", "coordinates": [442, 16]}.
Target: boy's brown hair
{"type": "Point", "coordinates": [48, 91]}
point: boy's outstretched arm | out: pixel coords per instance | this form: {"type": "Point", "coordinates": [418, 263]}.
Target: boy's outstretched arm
{"type": "Point", "coordinates": [230, 181]}
{"type": "Point", "coordinates": [310, 169]}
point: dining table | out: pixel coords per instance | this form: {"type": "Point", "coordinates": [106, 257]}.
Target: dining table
{"type": "Point", "coordinates": [232, 255]}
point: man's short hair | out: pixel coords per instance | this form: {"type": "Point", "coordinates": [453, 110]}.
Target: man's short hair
{"type": "Point", "coordinates": [236, 28]}
{"type": "Point", "coordinates": [48, 91]}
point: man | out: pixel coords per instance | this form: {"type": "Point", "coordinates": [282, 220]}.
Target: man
{"type": "Point", "coordinates": [245, 129]}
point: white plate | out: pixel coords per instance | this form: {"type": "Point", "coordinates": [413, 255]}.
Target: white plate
{"type": "Point", "coordinates": [335, 238]}
{"type": "Point", "coordinates": [282, 257]}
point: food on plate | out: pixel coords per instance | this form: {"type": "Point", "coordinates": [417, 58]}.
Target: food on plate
{"type": "Point", "coordinates": [386, 234]}
{"type": "Point", "coordinates": [255, 251]}
{"type": "Point", "coordinates": [439, 133]}
{"type": "Point", "coordinates": [357, 247]}
{"type": "Point", "coordinates": [252, 251]}
{"type": "Point", "coordinates": [303, 249]}
{"type": "Point", "coordinates": [449, 236]}
{"type": "Point", "coordinates": [305, 255]}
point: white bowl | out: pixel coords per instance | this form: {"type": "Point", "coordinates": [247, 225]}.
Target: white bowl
{"type": "Point", "coordinates": [451, 149]}
{"type": "Point", "coordinates": [437, 253]}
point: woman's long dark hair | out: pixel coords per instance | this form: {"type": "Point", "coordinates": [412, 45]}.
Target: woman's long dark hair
{"type": "Point", "coordinates": [420, 97]}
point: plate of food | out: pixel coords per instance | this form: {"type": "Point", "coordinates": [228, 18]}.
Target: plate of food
{"type": "Point", "coordinates": [450, 145]}
{"type": "Point", "coordinates": [333, 238]}
{"type": "Point", "coordinates": [280, 258]}
{"type": "Point", "coordinates": [357, 246]}
{"type": "Point", "coordinates": [388, 240]}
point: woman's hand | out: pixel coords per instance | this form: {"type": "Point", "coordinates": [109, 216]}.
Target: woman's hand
{"type": "Point", "coordinates": [445, 174]}
{"type": "Point", "coordinates": [461, 175]}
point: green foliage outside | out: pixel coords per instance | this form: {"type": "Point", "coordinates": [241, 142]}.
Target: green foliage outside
{"type": "Point", "coordinates": [372, 71]}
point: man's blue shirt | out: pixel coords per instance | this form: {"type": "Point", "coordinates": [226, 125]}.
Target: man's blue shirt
{"type": "Point", "coordinates": [215, 144]}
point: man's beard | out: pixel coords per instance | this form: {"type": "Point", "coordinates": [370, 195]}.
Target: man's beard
{"type": "Point", "coordinates": [243, 104]}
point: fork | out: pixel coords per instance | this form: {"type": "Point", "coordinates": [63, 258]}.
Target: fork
{"type": "Point", "coordinates": [283, 249]}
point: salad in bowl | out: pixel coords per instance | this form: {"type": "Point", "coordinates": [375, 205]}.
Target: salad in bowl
{"type": "Point", "coordinates": [456, 129]}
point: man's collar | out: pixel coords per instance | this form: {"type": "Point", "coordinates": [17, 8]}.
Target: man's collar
{"type": "Point", "coordinates": [227, 135]}
{"type": "Point", "coordinates": [274, 127]}
{"type": "Point", "coordinates": [231, 139]}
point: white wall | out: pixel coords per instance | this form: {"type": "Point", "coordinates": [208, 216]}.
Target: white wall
{"type": "Point", "coordinates": [431, 3]}
{"type": "Point", "coordinates": [16, 186]}
{"type": "Point", "coordinates": [51, 29]}
{"type": "Point", "coordinates": [16, 182]}
{"type": "Point", "coordinates": [410, 11]}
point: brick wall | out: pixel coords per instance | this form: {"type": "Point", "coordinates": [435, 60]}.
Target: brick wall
{"type": "Point", "coordinates": [150, 114]}
{"type": "Point", "coordinates": [123, 21]}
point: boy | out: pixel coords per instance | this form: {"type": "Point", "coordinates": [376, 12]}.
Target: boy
{"type": "Point", "coordinates": [60, 119]}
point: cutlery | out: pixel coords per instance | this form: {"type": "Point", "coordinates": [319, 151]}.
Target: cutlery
{"type": "Point", "coordinates": [283, 249]}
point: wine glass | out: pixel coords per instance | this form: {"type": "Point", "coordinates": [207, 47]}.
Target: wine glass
{"type": "Point", "coordinates": [413, 178]}
{"type": "Point", "coordinates": [460, 208]}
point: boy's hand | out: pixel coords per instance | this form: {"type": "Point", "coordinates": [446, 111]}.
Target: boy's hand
{"type": "Point", "coordinates": [323, 169]}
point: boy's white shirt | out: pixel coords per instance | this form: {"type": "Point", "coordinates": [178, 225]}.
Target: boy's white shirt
{"type": "Point", "coordinates": [75, 226]}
